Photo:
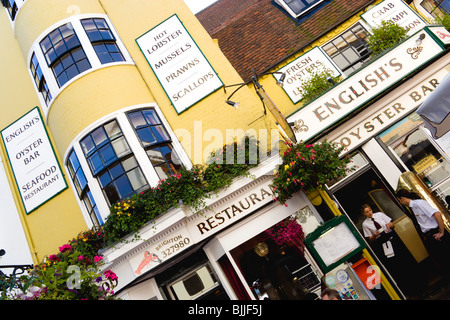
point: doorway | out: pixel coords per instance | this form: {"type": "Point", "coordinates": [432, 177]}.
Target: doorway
{"type": "Point", "coordinates": [367, 187]}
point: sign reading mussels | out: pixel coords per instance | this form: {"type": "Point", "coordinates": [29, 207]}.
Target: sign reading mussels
{"type": "Point", "coordinates": [178, 63]}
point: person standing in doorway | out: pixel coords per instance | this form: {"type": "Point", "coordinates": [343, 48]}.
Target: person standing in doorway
{"type": "Point", "coordinates": [378, 229]}
{"type": "Point", "coordinates": [431, 224]}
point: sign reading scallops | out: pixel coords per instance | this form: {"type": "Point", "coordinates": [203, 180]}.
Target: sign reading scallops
{"type": "Point", "coordinates": [36, 170]}
{"type": "Point", "coordinates": [178, 63]}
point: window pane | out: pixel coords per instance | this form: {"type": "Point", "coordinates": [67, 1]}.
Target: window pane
{"type": "Point", "coordinates": [124, 186]}
{"type": "Point", "coordinates": [104, 179]}
{"type": "Point", "coordinates": [113, 130]}
{"type": "Point", "coordinates": [87, 144]}
{"type": "Point", "coordinates": [108, 154]}
{"type": "Point", "coordinates": [116, 171]}
{"type": "Point", "coordinates": [99, 136]}
{"type": "Point", "coordinates": [136, 178]}
{"type": "Point", "coordinates": [151, 117]}
{"type": "Point", "coordinates": [146, 136]}
{"type": "Point", "coordinates": [111, 193]}
{"type": "Point", "coordinates": [137, 120]}
{"type": "Point", "coordinates": [160, 133]}
{"type": "Point", "coordinates": [129, 164]}
{"type": "Point", "coordinates": [95, 163]}
{"type": "Point", "coordinates": [120, 147]}
{"type": "Point", "coordinates": [155, 156]}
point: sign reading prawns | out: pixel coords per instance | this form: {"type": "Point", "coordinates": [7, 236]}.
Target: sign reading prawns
{"type": "Point", "coordinates": [33, 161]}
{"type": "Point", "coordinates": [178, 63]}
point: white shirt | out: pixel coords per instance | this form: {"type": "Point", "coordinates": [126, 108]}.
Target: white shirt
{"type": "Point", "coordinates": [369, 227]}
{"type": "Point", "coordinates": [424, 214]}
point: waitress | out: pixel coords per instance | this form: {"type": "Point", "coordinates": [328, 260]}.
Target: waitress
{"type": "Point", "coordinates": [378, 230]}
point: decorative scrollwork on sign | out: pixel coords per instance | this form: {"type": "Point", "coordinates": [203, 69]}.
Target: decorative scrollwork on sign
{"type": "Point", "coordinates": [415, 52]}
{"type": "Point", "coordinates": [300, 126]}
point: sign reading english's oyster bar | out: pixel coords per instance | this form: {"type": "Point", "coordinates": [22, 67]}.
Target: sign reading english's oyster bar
{"type": "Point", "coordinates": [357, 90]}
{"type": "Point", "coordinates": [178, 63]}
{"type": "Point", "coordinates": [36, 170]}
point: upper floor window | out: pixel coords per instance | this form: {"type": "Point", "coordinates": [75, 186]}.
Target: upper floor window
{"type": "Point", "coordinates": [156, 141]}
{"type": "Point", "coordinates": [297, 7]}
{"type": "Point", "coordinates": [13, 7]}
{"type": "Point", "coordinates": [349, 50]}
{"type": "Point", "coordinates": [112, 162]}
{"type": "Point", "coordinates": [102, 40]}
{"type": "Point", "coordinates": [64, 54]}
{"type": "Point", "coordinates": [73, 48]}
{"type": "Point", "coordinates": [39, 79]}
{"type": "Point", "coordinates": [81, 185]}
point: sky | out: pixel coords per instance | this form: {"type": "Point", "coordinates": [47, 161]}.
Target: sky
{"type": "Point", "coordinates": [198, 5]}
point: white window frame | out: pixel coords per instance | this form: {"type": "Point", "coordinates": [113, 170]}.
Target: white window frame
{"type": "Point", "coordinates": [286, 7]}
{"type": "Point", "coordinates": [136, 148]}
{"type": "Point", "coordinates": [86, 44]}
{"type": "Point", "coordinates": [19, 4]}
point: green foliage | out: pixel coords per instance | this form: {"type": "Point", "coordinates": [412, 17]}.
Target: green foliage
{"type": "Point", "coordinates": [306, 167]}
{"type": "Point", "coordinates": [189, 187]}
{"type": "Point", "coordinates": [316, 84]}
{"type": "Point", "coordinates": [385, 36]}
{"type": "Point", "coordinates": [444, 20]}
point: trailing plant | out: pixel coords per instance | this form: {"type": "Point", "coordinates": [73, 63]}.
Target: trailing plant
{"type": "Point", "coordinates": [288, 232]}
{"type": "Point", "coordinates": [306, 167]}
{"type": "Point", "coordinates": [190, 187]}
{"type": "Point", "coordinates": [387, 35]}
{"type": "Point", "coordinates": [315, 85]}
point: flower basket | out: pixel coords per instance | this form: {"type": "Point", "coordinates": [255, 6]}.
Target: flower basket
{"type": "Point", "coordinates": [288, 232]}
{"type": "Point", "coordinates": [306, 167]}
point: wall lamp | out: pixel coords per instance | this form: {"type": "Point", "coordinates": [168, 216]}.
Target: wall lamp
{"type": "Point", "coordinates": [419, 40]}
{"type": "Point", "coordinates": [256, 85]}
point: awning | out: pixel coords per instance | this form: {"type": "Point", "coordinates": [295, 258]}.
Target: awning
{"type": "Point", "coordinates": [435, 110]}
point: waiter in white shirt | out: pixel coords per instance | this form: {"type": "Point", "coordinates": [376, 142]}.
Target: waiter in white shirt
{"type": "Point", "coordinates": [431, 224]}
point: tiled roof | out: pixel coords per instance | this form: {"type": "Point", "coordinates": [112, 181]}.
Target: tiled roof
{"type": "Point", "coordinates": [257, 34]}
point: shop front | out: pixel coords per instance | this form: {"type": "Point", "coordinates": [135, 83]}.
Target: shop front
{"type": "Point", "coordinates": [391, 149]}
{"type": "Point", "coordinates": [243, 246]}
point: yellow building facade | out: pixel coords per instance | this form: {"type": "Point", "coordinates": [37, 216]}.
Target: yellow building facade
{"type": "Point", "coordinates": [96, 91]}
{"type": "Point", "coordinates": [103, 99]}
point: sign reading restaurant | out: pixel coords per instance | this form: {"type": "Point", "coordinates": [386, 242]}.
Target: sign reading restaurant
{"type": "Point", "coordinates": [36, 170]}
{"type": "Point", "coordinates": [355, 91]}
{"type": "Point", "coordinates": [178, 63]}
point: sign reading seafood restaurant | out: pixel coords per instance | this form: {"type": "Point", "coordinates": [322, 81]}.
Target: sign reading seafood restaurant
{"type": "Point", "coordinates": [355, 91]}
{"type": "Point", "coordinates": [200, 226]}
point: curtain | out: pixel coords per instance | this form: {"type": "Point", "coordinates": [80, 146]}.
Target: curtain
{"type": "Point", "coordinates": [233, 278]}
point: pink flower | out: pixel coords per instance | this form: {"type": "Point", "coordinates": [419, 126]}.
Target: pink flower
{"type": "Point", "coordinates": [53, 258]}
{"type": "Point", "coordinates": [97, 259]}
{"type": "Point", "coordinates": [65, 247]}
{"type": "Point", "coordinates": [110, 275]}
{"type": "Point", "coordinates": [80, 258]}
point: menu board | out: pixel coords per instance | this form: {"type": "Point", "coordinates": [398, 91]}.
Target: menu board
{"type": "Point", "coordinates": [334, 242]}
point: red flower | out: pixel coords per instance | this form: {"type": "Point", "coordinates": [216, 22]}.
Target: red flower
{"type": "Point", "coordinates": [65, 247]}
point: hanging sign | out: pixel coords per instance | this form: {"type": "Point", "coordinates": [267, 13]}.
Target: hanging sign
{"type": "Point", "coordinates": [178, 63]}
{"type": "Point", "coordinates": [396, 11]}
{"type": "Point", "coordinates": [302, 69]}
{"type": "Point", "coordinates": [36, 170]}
{"type": "Point", "coordinates": [357, 90]}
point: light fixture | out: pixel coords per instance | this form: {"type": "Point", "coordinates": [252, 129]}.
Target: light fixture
{"type": "Point", "coordinates": [256, 84]}
{"type": "Point", "coordinates": [261, 249]}
{"type": "Point", "coordinates": [233, 104]}
{"type": "Point", "coordinates": [330, 80]}
{"type": "Point", "coordinates": [419, 40]}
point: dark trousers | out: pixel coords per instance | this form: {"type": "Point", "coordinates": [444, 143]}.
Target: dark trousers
{"type": "Point", "coordinates": [438, 250]}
